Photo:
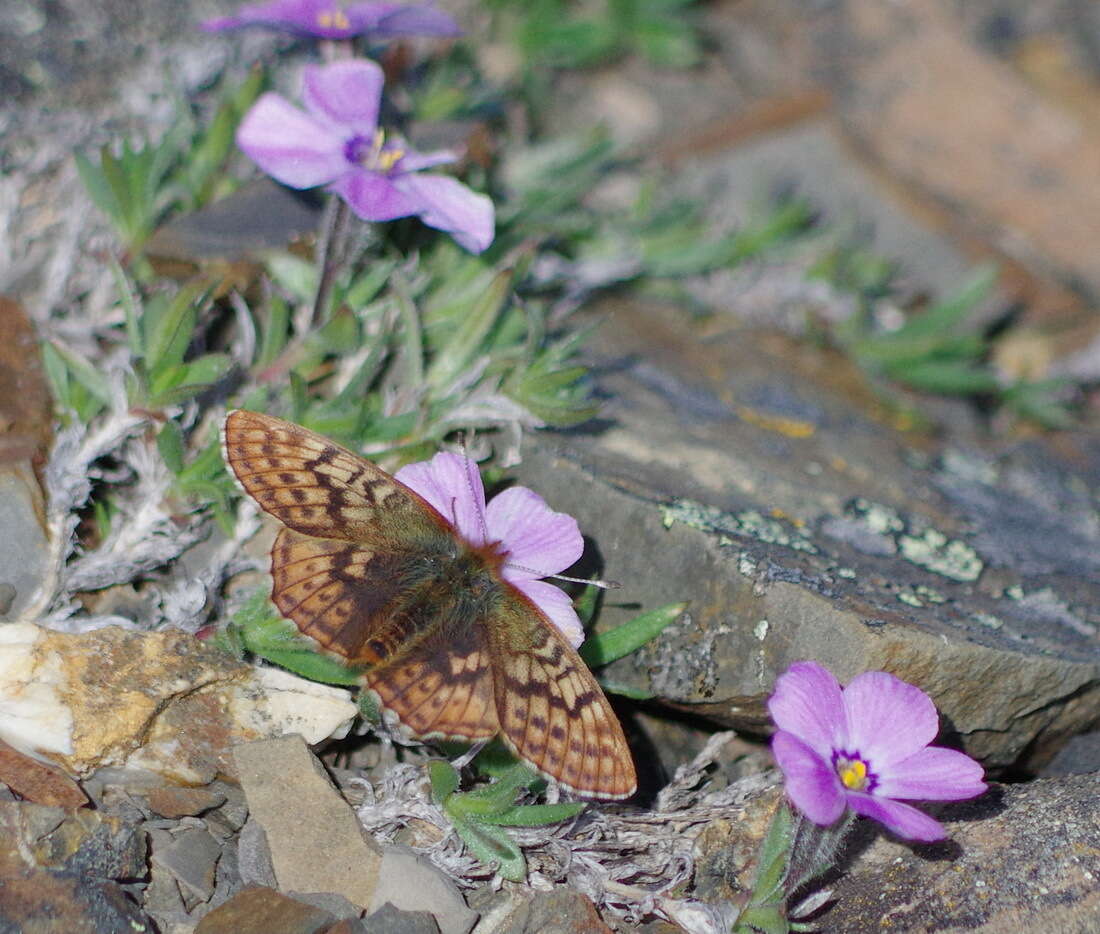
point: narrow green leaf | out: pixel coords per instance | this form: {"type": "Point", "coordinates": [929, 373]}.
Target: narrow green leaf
{"type": "Point", "coordinates": [444, 779]}
{"type": "Point", "coordinates": [536, 815]}
{"type": "Point", "coordinates": [608, 646]}
{"type": "Point", "coordinates": [468, 342]}
{"type": "Point", "coordinates": [492, 846]}
{"type": "Point", "coordinates": [83, 372]}
{"type": "Point", "coordinates": [170, 446]}
{"type": "Point", "coordinates": [171, 333]}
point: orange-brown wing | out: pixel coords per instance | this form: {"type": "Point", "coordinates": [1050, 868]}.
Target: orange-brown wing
{"type": "Point", "coordinates": [440, 691]}
{"type": "Point", "coordinates": [362, 605]}
{"type": "Point", "coordinates": [553, 714]}
{"type": "Point", "coordinates": [319, 488]}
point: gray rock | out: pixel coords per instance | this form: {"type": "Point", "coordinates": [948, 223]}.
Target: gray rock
{"type": "Point", "coordinates": [316, 841]}
{"type": "Point", "coordinates": [23, 570]}
{"type": "Point", "coordinates": [741, 514]}
{"type": "Point", "coordinates": [1024, 858]}
{"type": "Point", "coordinates": [191, 857]}
{"type": "Point", "coordinates": [390, 920]}
{"type": "Point", "coordinates": [409, 882]}
{"type": "Point", "coordinates": [254, 856]}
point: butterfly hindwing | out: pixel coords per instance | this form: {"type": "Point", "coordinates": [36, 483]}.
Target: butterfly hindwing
{"type": "Point", "coordinates": [552, 711]}
{"type": "Point", "coordinates": [443, 691]}
{"type": "Point", "coordinates": [319, 488]}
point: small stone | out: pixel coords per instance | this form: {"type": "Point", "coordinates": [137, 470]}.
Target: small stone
{"type": "Point", "coordinates": [35, 781]}
{"type": "Point", "coordinates": [259, 910]}
{"type": "Point", "coordinates": [336, 905]}
{"type": "Point", "coordinates": [390, 920]}
{"type": "Point", "coordinates": [175, 801]}
{"type": "Point", "coordinates": [317, 843]}
{"type": "Point", "coordinates": [254, 856]}
{"type": "Point", "coordinates": [561, 910]}
{"type": "Point", "coordinates": [411, 883]}
{"type": "Point", "coordinates": [191, 857]}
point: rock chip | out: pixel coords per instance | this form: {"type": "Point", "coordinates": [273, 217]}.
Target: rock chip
{"type": "Point", "coordinates": [258, 910]}
{"type": "Point", "coordinates": [410, 882]}
{"type": "Point", "coordinates": [390, 920]}
{"type": "Point", "coordinates": [317, 844]}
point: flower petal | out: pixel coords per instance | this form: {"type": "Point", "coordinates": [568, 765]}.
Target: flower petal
{"type": "Point", "coordinates": [539, 541]}
{"type": "Point", "coordinates": [299, 16]}
{"type": "Point", "coordinates": [888, 719]}
{"type": "Point", "coordinates": [373, 197]}
{"type": "Point", "coordinates": [903, 819]}
{"type": "Point", "coordinates": [452, 484]}
{"type": "Point", "coordinates": [807, 702]}
{"type": "Point", "coordinates": [811, 783]}
{"type": "Point", "coordinates": [933, 774]}
{"type": "Point", "coordinates": [347, 94]}
{"type": "Point", "coordinates": [404, 20]}
{"type": "Point", "coordinates": [290, 145]}
{"type": "Point", "coordinates": [556, 604]}
{"type": "Point", "coordinates": [415, 161]}
{"type": "Point", "coordinates": [448, 205]}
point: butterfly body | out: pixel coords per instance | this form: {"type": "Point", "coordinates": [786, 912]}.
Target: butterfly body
{"type": "Point", "coordinates": [449, 647]}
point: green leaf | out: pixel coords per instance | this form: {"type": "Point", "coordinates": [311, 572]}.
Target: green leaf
{"type": "Point", "coordinates": [78, 369]}
{"type": "Point", "coordinates": [444, 778]}
{"type": "Point", "coordinates": [169, 333]}
{"type": "Point", "coordinates": [492, 846]}
{"type": "Point", "coordinates": [947, 377]}
{"type": "Point", "coordinates": [536, 815]}
{"type": "Point", "coordinates": [608, 646]}
{"type": "Point", "coordinates": [468, 341]}
{"type": "Point", "coordinates": [170, 446]}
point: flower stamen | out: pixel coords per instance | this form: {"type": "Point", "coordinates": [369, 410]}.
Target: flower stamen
{"type": "Point", "coordinates": [852, 772]}
{"type": "Point", "coordinates": [333, 19]}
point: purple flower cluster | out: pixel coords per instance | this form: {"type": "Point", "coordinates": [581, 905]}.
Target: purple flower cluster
{"type": "Point", "coordinates": [864, 747]}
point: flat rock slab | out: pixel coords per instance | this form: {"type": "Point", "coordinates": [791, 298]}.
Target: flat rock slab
{"type": "Point", "coordinates": [1024, 858]}
{"type": "Point", "coordinates": [760, 479]}
{"type": "Point", "coordinates": [317, 843]}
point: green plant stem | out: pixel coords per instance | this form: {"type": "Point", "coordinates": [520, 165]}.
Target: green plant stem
{"type": "Point", "coordinates": [330, 253]}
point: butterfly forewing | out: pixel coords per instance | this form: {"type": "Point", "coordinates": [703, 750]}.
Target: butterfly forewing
{"type": "Point", "coordinates": [552, 711]}
{"type": "Point", "coordinates": [319, 488]}
{"type": "Point", "coordinates": [371, 572]}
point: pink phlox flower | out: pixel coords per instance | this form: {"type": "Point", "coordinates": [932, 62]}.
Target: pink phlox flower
{"type": "Point", "coordinates": [332, 19]}
{"type": "Point", "coordinates": [534, 541]}
{"type": "Point", "coordinates": [864, 747]}
{"type": "Point", "coordinates": [336, 142]}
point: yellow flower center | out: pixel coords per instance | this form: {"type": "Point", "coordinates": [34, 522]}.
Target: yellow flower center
{"type": "Point", "coordinates": [853, 773]}
{"type": "Point", "coordinates": [333, 19]}
{"type": "Point", "coordinates": [383, 161]}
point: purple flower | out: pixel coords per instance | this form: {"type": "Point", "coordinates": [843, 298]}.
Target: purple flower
{"type": "Point", "coordinates": [332, 19]}
{"type": "Point", "coordinates": [532, 540]}
{"type": "Point", "coordinates": [864, 746]}
{"type": "Point", "coordinates": [336, 142]}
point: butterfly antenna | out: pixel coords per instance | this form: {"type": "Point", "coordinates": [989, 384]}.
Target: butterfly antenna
{"type": "Point", "coordinates": [479, 500]}
{"type": "Point", "coordinates": [591, 582]}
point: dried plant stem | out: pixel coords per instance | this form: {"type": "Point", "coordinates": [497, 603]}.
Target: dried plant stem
{"type": "Point", "coordinates": [330, 252]}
